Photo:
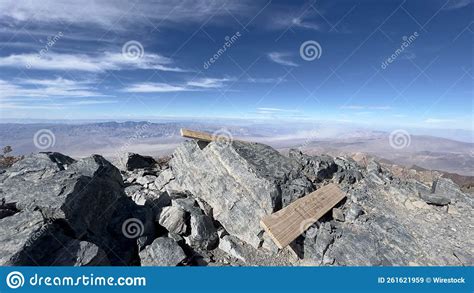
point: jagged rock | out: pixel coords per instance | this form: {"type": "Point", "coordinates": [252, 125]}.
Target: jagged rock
{"type": "Point", "coordinates": [316, 168]}
{"type": "Point", "coordinates": [131, 190]}
{"type": "Point", "coordinates": [295, 189]}
{"type": "Point", "coordinates": [338, 215]}
{"type": "Point", "coordinates": [315, 247]}
{"type": "Point", "coordinates": [173, 219]}
{"type": "Point", "coordinates": [420, 204]}
{"type": "Point", "coordinates": [150, 198]}
{"type": "Point", "coordinates": [453, 210]}
{"type": "Point", "coordinates": [354, 212]}
{"type": "Point", "coordinates": [135, 161]}
{"type": "Point", "coordinates": [52, 204]}
{"type": "Point", "coordinates": [188, 204]}
{"type": "Point", "coordinates": [163, 251]}
{"type": "Point", "coordinates": [81, 199]}
{"type": "Point", "coordinates": [374, 167]}
{"type": "Point", "coordinates": [17, 233]}
{"type": "Point", "coordinates": [436, 199]}
{"type": "Point", "coordinates": [239, 181]}
{"type": "Point", "coordinates": [157, 200]}
{"type": "Point", "coordinates": [269, 244]}
{"type": "Point", "coordinates": [163, 179]}
{"type": "Point", "coordinates": [347, 172]}
{"type": "Point", "coordinates": [145, 180]}
{"type": "Point", "coordinates": [203, 232]}
{"type": "Point", "coordinates": [231, 246]}
{"type": "Point", "coordinates": [139, 197]}
{"type": "Point", "coordinates": [176, 237]}
{"type": "Point", "coordinates": [81, 253]}
{"type": "Point", "coordinates": [7, 209]}
{"type": "Point", "coordinates": [448, 189]}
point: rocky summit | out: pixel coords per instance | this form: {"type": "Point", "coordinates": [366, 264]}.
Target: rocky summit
{"type": "Point", "coordinates": [203, 207]}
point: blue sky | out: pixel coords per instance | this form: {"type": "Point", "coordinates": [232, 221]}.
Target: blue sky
{"type": "Point", "coordinates": [150, 59]}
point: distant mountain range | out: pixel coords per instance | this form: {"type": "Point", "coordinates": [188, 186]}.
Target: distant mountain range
{"type": "Point", "coordinates": [112, 139]}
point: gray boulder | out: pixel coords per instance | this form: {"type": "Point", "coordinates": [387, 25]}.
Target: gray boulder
{"type": "Point", "coordinates": [448, 189]}
{"type": "Point", "coordinates": [173, 219]}
{"type": "Point", "coordinates": [354, 212]}
{"type": "Point", "coordinates": [163, 251]}
{"type": "Point", "coordinates": [163, 179]}
{"type": "Point", "coordinates": [81, 253]}
{"type": "Point", "coordinates": [59, 198]}
{"type": "Point", "coordinates": [146, 180]}
{"type": "Point", "coordinates": [203, 233]}
{"type": "Point", "coordinates": [229, 244]}
{"type": "Point", "coordinates": [436, 199]}
{"type": "Point", "coordinates": [338, 215]}
{"type": "Point", "coordinates": [188, 204]}
{"type": "Point", "coordinates": [135, 161]}
{"type": "Point", "coordinates": [239, 181]}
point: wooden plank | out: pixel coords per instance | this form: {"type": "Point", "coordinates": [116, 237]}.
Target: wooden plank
{"type": "Point", "coordinates": [290, 222]}
{"type": "Point", "coordinates": [204, 136]}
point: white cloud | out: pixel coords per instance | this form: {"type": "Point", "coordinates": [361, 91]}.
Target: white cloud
{"type": "Point", "coordinates": [281, 58]}
{"type": "Point", "coordinates": [52, 105]}
{"type": "Point", "coordinates": [437, 121]}
{"type": "Point", "coordinates": [208, 82]}
{"type": "Point", "coordinates": [364, 107]}
{"type": "Point", "coordinates": [265, 80]}
{"type": "Point", "coordinates": [99, 63]}
{"type": "Point", "coordinates": [456, 4]}
{"type": "Point", "coordinates": [46, 94]}
{"type": "Point", "coordinates": [279, 112]}
{"type": "Point", "coordinates": [275, 109]}
{"type": "Point", "coordinates": [300, 22]}
{"type": "Point", "coordinates": [154, 87]}
{"type": "Point", "coordinates": [302, 18]}
{"type": "Point", "coordinates": [45, 88]}
{"type": "Point", "coordinates": [119, 13]}
{"type": "Point", "coordinates": [192, 85]}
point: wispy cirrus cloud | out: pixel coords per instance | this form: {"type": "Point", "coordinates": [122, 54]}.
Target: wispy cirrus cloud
{"type": "Point", "coordinates": [457, 4]}
{"type": "Point", "coordinates": [265, 79]}
{"type": "Point", "coordinates": [52, 105]}
{"type": "Point", "coordinates": [209, 82]}
{"type": "Point", "coordinates": [301, 22]}
{"type": "Point", "coordinates": [437, 121]}
{"type": "Point", "coordinates": [264, 110]}
{"type": "Point", "coordinates": [50, 94]}
{"type": "Point", "coordinates": [44, 88]}
{"type": "Point", "coordinates": [281, 58]}
{"type": "Point", "coordinates": [120, 13]}
{"type": "Point", "coordinates": [81, 62]}
{"type": "Point", "coordinates": [365, 107]}
{"type": "Point", "coordinates": [192, 85]}
{"type": "Point", "coordinates": [155, 87]}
